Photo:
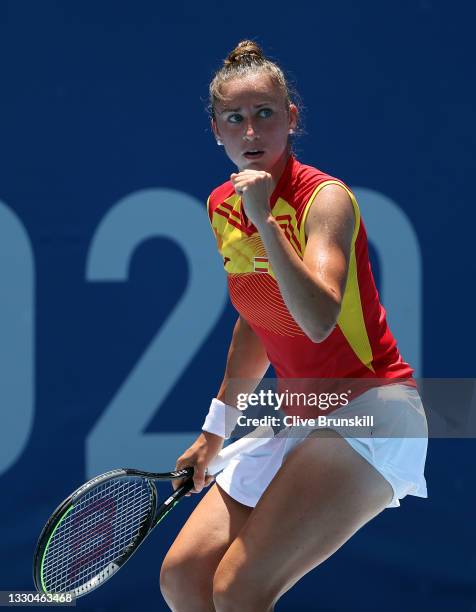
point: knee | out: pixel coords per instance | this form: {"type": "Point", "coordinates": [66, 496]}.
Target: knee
{"type": "Point", "coordinates": [184, 587]}
{"type": "Point", "coordinates": [170, 577]}
{"type": "Point", "coordinates": [232, 593]}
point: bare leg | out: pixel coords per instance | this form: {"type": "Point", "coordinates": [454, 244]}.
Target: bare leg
{"type": "Point", "coordinates": [322, 494]}
{"type": "Point", "coordinates": [186, 577]}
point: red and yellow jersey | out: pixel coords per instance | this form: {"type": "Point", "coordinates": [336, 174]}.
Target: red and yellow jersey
{"type": "Point", "coordinates": [361, 345]}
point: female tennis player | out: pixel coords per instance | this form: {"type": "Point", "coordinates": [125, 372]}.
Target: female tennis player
{"type": "Point", "coordinates": [295, 250]}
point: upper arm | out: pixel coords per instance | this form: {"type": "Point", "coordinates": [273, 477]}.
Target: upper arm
{"type": "Point", "coordinates": [329, 227]}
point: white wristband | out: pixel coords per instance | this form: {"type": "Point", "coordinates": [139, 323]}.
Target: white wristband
{"type": "Point", "coordinates": [221, 419]}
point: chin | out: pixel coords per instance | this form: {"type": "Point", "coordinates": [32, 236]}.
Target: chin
{"type": "Point", "coordinates": [250, 166]}
{"type": "Point", "coordinates": [255, 164]}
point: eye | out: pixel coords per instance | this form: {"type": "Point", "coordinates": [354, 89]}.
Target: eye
{"type": "Point", "coordinates": [235, 118]}
{"type": "Point", "coordinates": [265, 112]}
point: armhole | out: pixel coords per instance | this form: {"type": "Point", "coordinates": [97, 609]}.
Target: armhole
{"type": "Point", "coordinates": [302, 231]}
{"type": "Point", "coordinates": [208, 207]}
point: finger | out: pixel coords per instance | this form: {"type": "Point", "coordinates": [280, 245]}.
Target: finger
{"type": "Point", "coordinates": [199, 478]}
{"type": "Point", "coordinates": [177, 483]}
{"type": "Point", "coordinates": [209, 480]}
{"type": "Point", "coordinates": [242, 178]}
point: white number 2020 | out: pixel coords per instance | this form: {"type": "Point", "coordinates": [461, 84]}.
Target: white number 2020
{"type": "Point", "coordinates": [118, 437]}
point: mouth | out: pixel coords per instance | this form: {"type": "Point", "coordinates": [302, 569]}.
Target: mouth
{"type": "Point", "coordinates": [253, 154]}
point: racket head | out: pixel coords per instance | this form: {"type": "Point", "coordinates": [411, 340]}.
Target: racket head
{"type": "Point", "coordinates": [93, 532]}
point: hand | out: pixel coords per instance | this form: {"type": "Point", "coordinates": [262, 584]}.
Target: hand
{"type": "Point", "coordinates": [255, 188]}
{"type": "Point", "coordinates": [198, 456]}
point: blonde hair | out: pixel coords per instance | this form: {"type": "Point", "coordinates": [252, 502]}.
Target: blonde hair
{"type": "Point", "coordinates": [247, 58]}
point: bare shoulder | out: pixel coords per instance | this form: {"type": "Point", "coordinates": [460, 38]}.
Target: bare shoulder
{"type": "Point", "coordinates": [331, 212]}
{"type": "Point", "coordinates": [329, 227]}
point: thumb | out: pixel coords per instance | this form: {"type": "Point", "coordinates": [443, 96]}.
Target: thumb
{"type": "Point", "coordinates": [199, 478]}
{"type": "Point", "coordinates": [209, 480]}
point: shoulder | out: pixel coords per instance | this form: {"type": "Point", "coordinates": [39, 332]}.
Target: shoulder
{"type": "Point", "coordinates": [332, 211]}
{"type": "Point", "coordinates": [304, 181]}
{"type": "Point", "coordinates": [306, 174]}
{"type": "Point", "coordinates": [321, 198]}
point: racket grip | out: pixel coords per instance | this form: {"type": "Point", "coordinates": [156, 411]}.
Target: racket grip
{"type": "Point", "coordinates": [249, 442]}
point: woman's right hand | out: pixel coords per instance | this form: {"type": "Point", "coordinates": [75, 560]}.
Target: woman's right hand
{"type": "Point", "coordinates": [203, 450]}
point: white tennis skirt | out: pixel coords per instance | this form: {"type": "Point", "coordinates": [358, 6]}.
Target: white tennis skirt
{"type": "Point", "coordinates": [399, 456]}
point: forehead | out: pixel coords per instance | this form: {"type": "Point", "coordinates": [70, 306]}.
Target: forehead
{"type": "Point", "coordinates": [249, 90]}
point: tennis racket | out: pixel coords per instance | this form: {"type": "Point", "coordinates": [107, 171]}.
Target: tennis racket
{"type": "Point", "coordinates": [97, 528]}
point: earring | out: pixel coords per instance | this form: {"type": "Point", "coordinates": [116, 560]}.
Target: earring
{"type": "Point", "coordinates": [291, 131]}
{"type": "Point", "coordinates": [219, 142]}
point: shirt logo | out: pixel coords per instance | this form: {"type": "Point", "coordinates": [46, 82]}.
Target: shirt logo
{"type": "Point", "coordinates": [261, 264]}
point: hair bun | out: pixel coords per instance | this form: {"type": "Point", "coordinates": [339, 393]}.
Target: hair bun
{"type": "Point", "coordinates": [245, 51]}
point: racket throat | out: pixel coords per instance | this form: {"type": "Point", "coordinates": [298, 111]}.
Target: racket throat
{"type": "Point", "coordinates": [95, 582]}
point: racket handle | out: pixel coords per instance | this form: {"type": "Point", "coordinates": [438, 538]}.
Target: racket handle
{"type": "Point", "coordinates": [249, 442]}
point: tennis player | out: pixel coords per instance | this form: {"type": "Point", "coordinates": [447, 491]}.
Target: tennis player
{"type": "Point", "coordinates": [295, 251]}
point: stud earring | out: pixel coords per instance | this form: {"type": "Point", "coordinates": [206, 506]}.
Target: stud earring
{"type": "Point", "coordinates": [219, 142]}
{"type": "Point", "coordinates": [291, 131]}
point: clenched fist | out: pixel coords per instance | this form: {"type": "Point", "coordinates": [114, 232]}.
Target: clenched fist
{"type": "Point", "coordinates": [255, 188]}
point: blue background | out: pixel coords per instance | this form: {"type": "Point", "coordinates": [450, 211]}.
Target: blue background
{"type": "Point", "coordinates": [101, 101]}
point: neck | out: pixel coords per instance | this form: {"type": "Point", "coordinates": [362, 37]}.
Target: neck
{"type": "Point", "coordinates": [277, 170]}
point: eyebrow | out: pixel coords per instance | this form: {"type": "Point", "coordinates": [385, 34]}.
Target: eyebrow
{"type": "Point", "coordinates": [236, 110]}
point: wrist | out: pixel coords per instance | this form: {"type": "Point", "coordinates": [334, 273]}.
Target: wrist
{"type": "Point", "coordinates": [264, 222]}
{"type": "Point", "coordinates": [221, 419]}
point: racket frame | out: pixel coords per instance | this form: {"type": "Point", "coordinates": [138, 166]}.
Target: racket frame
{"type": "Point", "coordinates": [156, 514]}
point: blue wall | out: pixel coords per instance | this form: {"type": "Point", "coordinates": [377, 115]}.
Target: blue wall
{"type": "Point", "coordinates": [113, 315]}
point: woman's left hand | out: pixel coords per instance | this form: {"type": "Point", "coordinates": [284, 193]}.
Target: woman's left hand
{"type": "Point", "coordinates": [255, 188]}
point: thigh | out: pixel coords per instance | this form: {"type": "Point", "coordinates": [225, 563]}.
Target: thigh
{"type": "Point", "coordinates": [322, 494]}
{"type": "Point", "coordinates": [206, 535]}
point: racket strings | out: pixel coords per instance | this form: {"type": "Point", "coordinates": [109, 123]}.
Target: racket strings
{"type": "Point", "coordinates": [101, 525]}
{"type": "Point", "coordinates": [82, 553]}
{"type": "Point", "coordinates": [88, 524]}
{"type": "Point", "coordinates": [89, 529]}
{"type": "Point", "coordinates": [82, 537]}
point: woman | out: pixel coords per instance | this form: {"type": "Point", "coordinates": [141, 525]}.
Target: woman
{"type": "Point", "coordinates": [295, 250]}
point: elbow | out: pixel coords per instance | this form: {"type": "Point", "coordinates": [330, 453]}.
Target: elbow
{"type": "Point", "coordinates": [318, 335]}
{"type": "Point", "coordinates": [325, 328]}
{"type": "Point", "coordinates": [314, 338]}
{"type": "Point", "coordinates": [320, 328]}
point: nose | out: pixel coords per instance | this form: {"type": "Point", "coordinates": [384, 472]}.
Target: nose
{"type": "Point", "coordinates": [250, 132]}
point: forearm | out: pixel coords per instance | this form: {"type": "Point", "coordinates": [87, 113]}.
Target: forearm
{"type": "Point", "coordinates": [247, 363]}
{"type": "Point", "coordinates": [310, 301]}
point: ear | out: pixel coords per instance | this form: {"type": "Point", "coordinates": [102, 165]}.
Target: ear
{"type": "Point", "coordinates": [215, 130]}
{"type": "Point", "coordinates": [293, 116]}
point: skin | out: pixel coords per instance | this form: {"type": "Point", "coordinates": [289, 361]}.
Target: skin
{"type": "Point", "coordinates": [261, 121]}
{"type": "Point", "coordinates": [253, 115]}
{"type": "Point", "coordinates": [229, 556]}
